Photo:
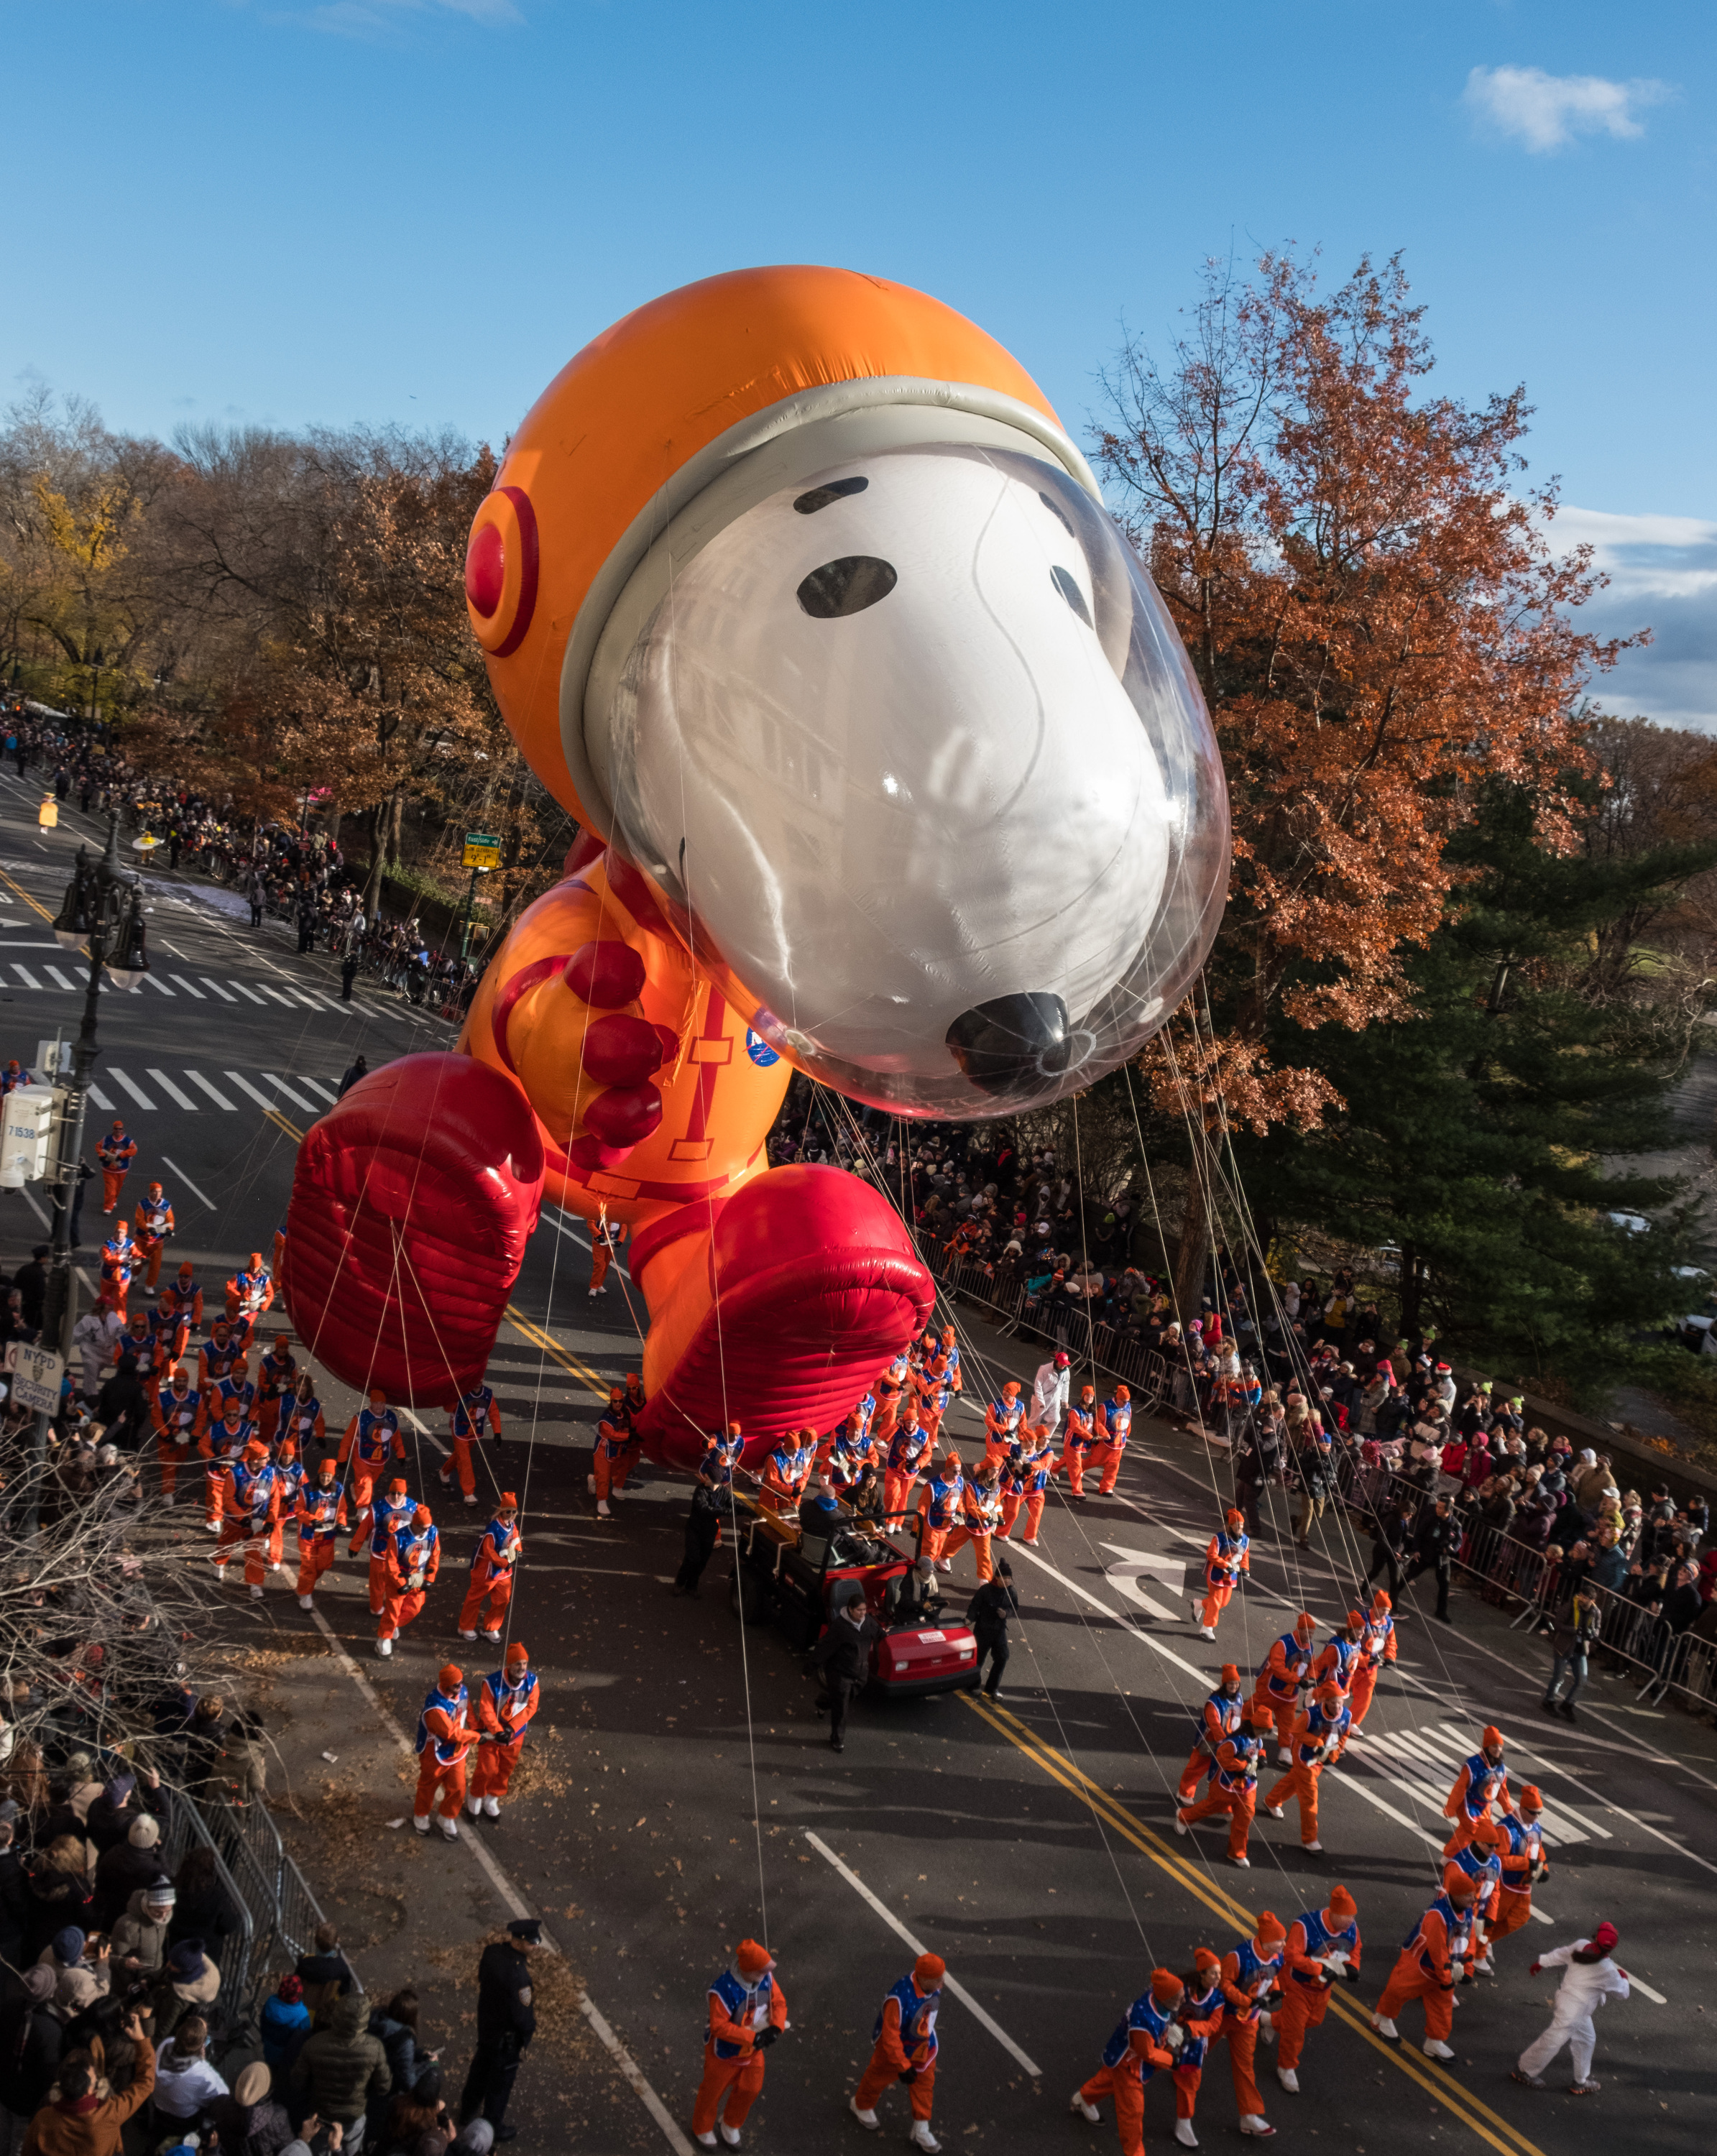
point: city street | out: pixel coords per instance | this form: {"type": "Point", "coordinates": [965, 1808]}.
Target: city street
{"type": "Point", "coordinates": [1029, 1842]}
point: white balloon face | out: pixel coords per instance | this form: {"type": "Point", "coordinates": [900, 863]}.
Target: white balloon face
{"type": "Point", "coordinates": [882, 743]}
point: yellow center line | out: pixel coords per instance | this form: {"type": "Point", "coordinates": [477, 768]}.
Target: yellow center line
{"type": "Point", "coordinates": [1506, 2139]}
{"type": "Point", "coordinates": [280, 1122]}
{"type": "Point", "coordinates": [30, 902]}
{"type": "Point", "coordinates": [537, 1337]}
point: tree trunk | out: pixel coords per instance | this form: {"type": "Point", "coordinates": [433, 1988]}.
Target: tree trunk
{"type": "Point", "coordinates": [1193, 1252]}
{"type": "Point", "coordinates": [1410, 1291]}
{"type": "Point", "coordinates": [378, 861]}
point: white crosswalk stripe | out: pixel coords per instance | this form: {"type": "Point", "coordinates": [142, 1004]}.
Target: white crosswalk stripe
{"type": "Point", "coordinates": [101, 1100]}
{"type": "Point", "coordinates": [172, 1091]}
{"type": "Point", "coordinates": [136, 1093]}
{"type": "Point", "coordinates": [248, 995]}
{"type": "Point", "coordinates": [317, 1085]}
{"type": "Point", "coordinates": [217, 989]}
{"type": "Point", "coordinates": [1425, 1763]}
{"type": "Point", "coordinates": [189, 990]}
{"type": "Point", "coordinates": [153, 981]}
{"type": "Point", "coordinates": [25, 975]}
{"type": "Point", "coordinates": [62, 980]}
{"type": "Point", "coordinates": [297, 1100]}
{"type": "Point", "coordinates": [245, 1086]}
{"type": "Point", "coordinates": [213, 1092]}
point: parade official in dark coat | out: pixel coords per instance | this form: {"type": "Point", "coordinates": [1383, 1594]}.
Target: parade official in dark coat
{"type": "Point", "coordinates": [507, 2021]}
{"type": "Point", "coordinates": [988, 1613]}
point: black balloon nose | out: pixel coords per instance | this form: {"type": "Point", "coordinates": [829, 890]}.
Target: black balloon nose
{"type": "Point", "coordinates": [1012, 1041]}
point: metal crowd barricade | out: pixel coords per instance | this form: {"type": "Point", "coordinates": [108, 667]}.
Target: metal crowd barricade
{"type": "Point", "coordinates": [1508, 1570]}
{"type": "Point", "coordinates": [1141, 1368]}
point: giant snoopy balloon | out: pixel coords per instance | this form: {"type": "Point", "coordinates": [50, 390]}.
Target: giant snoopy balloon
{"type": "Point", "coordinates": [890, 768]}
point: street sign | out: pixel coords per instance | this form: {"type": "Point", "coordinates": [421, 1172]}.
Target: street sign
{"type": "Point", "coordinates": [38, 1373]}
{"type": "Point", "coordinates": [482, 850]}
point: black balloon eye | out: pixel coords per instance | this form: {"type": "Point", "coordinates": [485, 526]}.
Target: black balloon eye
{"type": "Point", "coordinates": [848, 585]}
{"type": "Point", "coordinates": [819, 497]}
{"type": "Point", "coordinates": [1067, 585]}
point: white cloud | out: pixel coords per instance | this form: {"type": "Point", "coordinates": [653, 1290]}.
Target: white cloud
{"type": "Point", "coordinates": [1547, 111]}
{"type": "Point", "coordinates": [1663, 575]}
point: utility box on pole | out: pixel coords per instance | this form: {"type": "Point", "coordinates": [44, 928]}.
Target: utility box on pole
{"type": "Point", "coordinates": [25, 1135]}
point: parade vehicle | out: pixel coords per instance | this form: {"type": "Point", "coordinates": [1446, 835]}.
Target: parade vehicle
{"type": "Point", "coordinates": [794, 1581]}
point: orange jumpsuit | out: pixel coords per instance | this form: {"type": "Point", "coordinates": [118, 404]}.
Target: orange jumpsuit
{"type": "Point", "coordinates": [255, 1498]}
{"type": "Point", "coordinates": [505, 1709]}
{"type": "Point", "coordinates": [276, 1375]}
{"type": "Point", "coordinates": [606, 1237]}
{"type": "Point", "coordinates": [982, 1523]}
{"type": "Point", "coordinates": [116, 1155]}
{"type": "Point", "coordinates": [732, 2065]}
{"type": "Point", "coordinates": [1306, 1983]}
{"type": "Point", "coordinates": [612, 1461]}
{"type": "Point", "coordinates": [379, 1519]}
{"type": "Point", "coordinates": [1281, 1676]}
{"type": "Point", "coordinates": [1201, 2016]}
{"type": "Point", "coordinates": [1228, 1556]}
{"type": "Point", "coordinates": [1137, 2056]}
{"type": "Point", "coordinates": [152, 1223]}
{"type": "Point", "coordinates": [497, 1555]}
{"type": "Point", "coordinates": [1478, 1785]}
{"type": "Point", "coordinates": [1317, 1736]}
{"type": "Point", "coordinates": [1427, 1968]}
{"type": "Point", "coordinates": [412, 1561]}
{"type": "Point", "coordinates": [220, 1444]}
{"type": "Point", "coordinates": [250, 1292]}
{"type": "Point", "coordinates": [1523, 1856]}
{"type": "Point", "coordinates": [179, 1421]}
{"type": "Point", "coordinates": [1377, 1647]}
{"type": "Point", "coordinates": [907, 1449]}
{"type": "Point", "coordinates": [1025, 1482]}
{"type": "Point", "coordinates": [119, 1260]}
{"type": "Point", "coordinates": [1114, 1427]}
{"type": "Point", "coordinates": [1004, 1423]}
{"type": "Point", "coordinates": [1234, 1789]}
{"type": "Point", "coordinates": [321, 1516]}
{"type": "Point", "coordinates": [903, 2040]}
{"type": "Point", "coordinates": [1080, 1436]}
{"type": "Point", "coordinates": [1220, 1717]}
{"type": "Point", "coordinates": [470, 1413]}
{"type": "Point", "coordinates": [444, 1736]}
{"type": "Point", "coordinates": [1247, 1979]}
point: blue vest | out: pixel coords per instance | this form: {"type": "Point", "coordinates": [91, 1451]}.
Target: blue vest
{"type": "Point", "coordinates": [1484, 1869]}
{"type": "Point", "coordinates": [1523, 1841]}
{"type": "Point", "coordinates": [471, 1411]}
{"type": "Point", "coordinates": [1320, 1942]}
{"type": "Point", "coordinates": [507, 1542]}
{"type": "Point", "coordinates": [388, 1517]}
{"type": "Point", "coordinates": [255, 1488]}
{"type": "Point", "coordinates": [234, 1389]}
{"type": "Point", "coordinates": [322, 1512]}
{"type": "Point", "coordinates": [178, 1411]}
{"type": "Point", "coordinates": [906, 1448]}
{"type": "Point", "coordinates": [945, 1494]}
{"type": "Point", "coordinates": [414, 1547]}
{"type": "Point", "coordinates": [1254, 1976]}
{"type": "Point", "coordinates": [1230, 1712]}
{"type": "Point", "coordinates": [1346, 1652]}
{"type": "Point", "coordinates": [153, 1219]}
{"type": "Point", "coordinates": [504, 1696]}
{"type": "Point", "coordinates": [185, 1298]}
{"type": "Point", "coordinates": [1192, 2051]}
{"type": "Point", "coordinates": [1484, 1782]}
{"type": "Point", "coordinates": [1321, 1725]}
{"type": "Point", "coordinates": [917, 2019]}
{"type": "Point", "coordinates": [1118, 1414]}
{"type": "Point", "coordinates": [376, 1433]}
{"type": "Point", "coordinates": [219, 1361]}
{"type": "Point", "coordinates": [1377, 1630]}
{"type": "Point", "coordinates": [1230, 1550]}
{"type": "Point", "coordinates": [454, 1703]}
{"type": "Point", "coordinates": [1459, 1924]}
{"type": "Point", "coordinates": [1299, 1660]}
{"type": "Point", "coordinates": [1248, 1747]}
{"type": "Point", "coordinates": [750, 2006]}
{"type": "Point", "coordinates": [298, 1417]}
{"type": "Point", "coordinates": [1145, 2014]}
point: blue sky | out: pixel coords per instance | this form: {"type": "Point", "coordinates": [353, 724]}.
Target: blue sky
{"type": "Point", "coordinates": [415, 210]}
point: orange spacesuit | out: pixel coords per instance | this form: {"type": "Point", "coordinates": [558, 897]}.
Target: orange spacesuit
{"type": "Point", "coordinates": [496, 1557]}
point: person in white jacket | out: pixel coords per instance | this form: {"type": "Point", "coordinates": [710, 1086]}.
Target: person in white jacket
{"type": "Point", "coordinates": [1049, 1389]}
{"type": "Point", "coordinates": [1592, 1978]}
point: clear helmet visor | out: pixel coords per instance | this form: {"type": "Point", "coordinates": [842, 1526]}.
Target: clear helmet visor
{"type": "Point", "coordinates": [910, 747]}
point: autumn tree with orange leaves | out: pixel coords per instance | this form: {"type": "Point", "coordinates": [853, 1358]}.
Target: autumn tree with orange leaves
{"type": "Point", "coordinates": [1380, 626]}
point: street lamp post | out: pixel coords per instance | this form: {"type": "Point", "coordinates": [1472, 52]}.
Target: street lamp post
{"type": "Point", "coordinates": [103, 913]}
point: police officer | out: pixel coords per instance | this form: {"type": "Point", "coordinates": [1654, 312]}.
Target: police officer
{"type": "Point", "coordinates": [1435, 1539]}
{"type": "Point", "coordinates": [507, 2021]}
{"type": "Point", "coordinates": [988, 1613]}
